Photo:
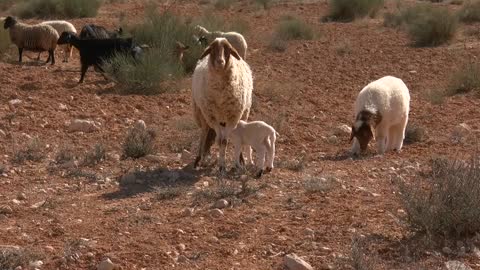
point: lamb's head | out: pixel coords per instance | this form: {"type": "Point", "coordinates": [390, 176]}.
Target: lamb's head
{"type": "Point", "coordinates": [9, 22]}
{"type": "Point", "coordinates": [363, 127]}
{"type": "Point", "coordinates": [65, 38]}
{"type": "Point", "coordinates": [220, 50]}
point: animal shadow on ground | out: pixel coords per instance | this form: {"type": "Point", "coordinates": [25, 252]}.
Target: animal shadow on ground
{"type": "Point", "coordinates": [138, 182]}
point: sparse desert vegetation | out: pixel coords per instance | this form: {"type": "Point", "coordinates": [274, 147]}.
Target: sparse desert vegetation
{"type": "Point", "coordinates": [100, 173]}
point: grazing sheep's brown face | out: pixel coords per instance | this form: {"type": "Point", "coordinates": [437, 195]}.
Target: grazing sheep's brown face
{"type": "Point", "coordinates": [363, 132]}
{"type": "Point", "coordinates": [365, 122]}
{"type": "Point", "coordinates": [220, 50]}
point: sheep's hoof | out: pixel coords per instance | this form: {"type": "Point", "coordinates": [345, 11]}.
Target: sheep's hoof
{"type": "Point", "coordinates": [259, 174]}
{"type": "Point", "coordinates": [268, 169]}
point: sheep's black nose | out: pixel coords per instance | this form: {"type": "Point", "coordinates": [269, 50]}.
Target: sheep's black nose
{"type": "Point", "coordinates": [223, 124]}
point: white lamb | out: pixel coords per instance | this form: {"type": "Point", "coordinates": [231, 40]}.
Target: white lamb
{"type": "Point", "coordinates": [261, 137]}
{"type": "Point", "coordinates": [236, 39]}
{"type": "Point", "coordinates": [383, 106]}
{"type": "Point", "coordinates": [62, 26]}
{"type": "Point", "coordinates": [222, 95]}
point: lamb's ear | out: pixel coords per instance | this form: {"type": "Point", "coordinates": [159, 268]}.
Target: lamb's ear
{"type": "Point", "coordinates": [232, 50]}
{"type": "Point", "coordinates": [207, 51]}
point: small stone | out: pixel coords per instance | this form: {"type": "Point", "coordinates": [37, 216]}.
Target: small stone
{"type": "Point", "coordinates": [188, 212]}
{"type": "Point", "coordinates": [35, 264]}
{"type": "Point", "coordinates": [2, 133]}
{"type": "Point", "coordinates": [38, 204]}
{"type": "Point", "coordinates": [216, 213]}
{"type": "Point", "coordinates": [342, 130]}
{"type": "Point", "coordinates": [447, 250]}
{"type": "Point", "coordinates": [181, 247]}
{"type": "Point", "coordinates": [106, 264]}
{"type": "Point", "coordinates": [457, 265]}
{"type": "Point", "coordinates": [49, 248]}
{"type": "Point", "coordinates": [220, 204]}
{"type": "Point", "coordinates": [15, 101]}
{"type": "Point", "coordinates": [81, 125]}
{"type": "Point", "coordinates": [5, 209]}
{"type": "Point", "coordinates": [18, 268]}
{"type": "Point", "coordinates": [17, 202]}
{"type": "Point", "coordinates": [140, 124]}
{"type": "Point", "coordinates": [62, 107]}
{"type": "Point", "coordinates": [309, 232]}
{"type": "Point", "coordinates": [214, 239]}
{"type": "Point", "coordinates": [332, 139]}
{"type": "Point", "coordinates": [182, 259]}
{"type": "Point", "coordinates": [293, 262]}
{"type": "Point", "coordinates": [21, 196]}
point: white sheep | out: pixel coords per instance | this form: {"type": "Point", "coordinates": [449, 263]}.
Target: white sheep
{"type": "Point", "coordinates": [261, 137]}
{"type": "Point", "coordinates": [383, 106]}
{"type": "Point", "coordinates": [236, 39]}
{"type": "Point", "coordinates": [62, 26]}
{"type": "Point", "coordinates": [37, 38]}
{"type": "Point", "coordinates": [222, 95]}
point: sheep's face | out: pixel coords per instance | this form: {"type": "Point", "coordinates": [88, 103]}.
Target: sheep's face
{"type": "Point", "coordinates": [9, 22]}
{"type": "Point", "coordinates": [363, 132]}
{"type": "Point", "coordinates": [65, 38]}
{"type": "Point", "coordinates": [220, 50]}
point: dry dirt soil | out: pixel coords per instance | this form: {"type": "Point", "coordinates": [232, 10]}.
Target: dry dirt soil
{"type": "Point", "coordinates": [75, 217]}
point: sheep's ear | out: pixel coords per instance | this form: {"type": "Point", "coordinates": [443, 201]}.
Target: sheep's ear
{"type": "Point", "coordinates": [233, 51]}
{"type": "Point", "coordinates": [206, 52]}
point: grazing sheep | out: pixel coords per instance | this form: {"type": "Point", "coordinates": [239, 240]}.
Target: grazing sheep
{"type": "Point", "coordinates": [261, 137]}
{"type": "Point", "coordinates": [236, 39]}
{"type": "Point", "coordinates": [37, 38]}
{"type": "Point", "coordinates": [96, 51]}
{"type": "Point", "coordinates": [222, 95]}
{"type": "Point", "coordinates": [383, 106]}
{"type": "Point", "coordinates": [91, 31]}
{"type": "Point", "coordinates": [62, 26]}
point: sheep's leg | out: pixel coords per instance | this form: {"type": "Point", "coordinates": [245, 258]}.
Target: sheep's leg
{"type": "Point", "coordinates": [38, 56]}
{"type": "Point", "coordinates": [238, 154]}
{"type": "Point", "coordinates": [249, 155]}
{"type": "Point", "coordinates": [51, 53]}
{"type": "Point", "coordinates": [400, 131]}
{"type": "Point", "coordinates": [391, 138]}
{"type": "Point", "coordinates": [201, 147]}
{"type": "Point", "coordinates": [270, 142]}
{"type": "Point", "coordinates": [20, 51]}
{"type": "Point", "coordinates": [69, 52]}
{"type": "Point", "coordinates": [261, 151]}
{"type": "Point", "coordinates": [381, 137]}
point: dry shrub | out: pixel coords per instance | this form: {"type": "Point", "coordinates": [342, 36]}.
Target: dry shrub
{"type": "Point", "coordinates": [33, 151]}
{"type": "Point", "coordinates": [139, 142]}
{"type": "Point", "coordinates": [414, 134]}
{"type": "Point", "coordinates": [290, 28]}
{"type": "Point", "coordinates": [16, 258]}
{"type": "Point", "coordinates": [464, 80]}
{"type": "Point", "coordinates": [58, 8]}
{"type": "Point", "coordinates": [349, 10]}
{"type": "Point", "coordinates": [446, 203]}
{"type": "Point", "coordinates": [470, 11]}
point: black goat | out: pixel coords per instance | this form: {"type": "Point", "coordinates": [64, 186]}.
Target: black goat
{"type": "Point", "coordinates": [96, 51]}
{"type": "Point", "coordinates": [91, 31]}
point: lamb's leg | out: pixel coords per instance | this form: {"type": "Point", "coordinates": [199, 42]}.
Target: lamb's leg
{"type": "Point", "coordinates": [391, 138]}
{"type": "Point", "coordinates": [52, 54]}
{"type": "Point", "coordinates": [249, 155]}
{"type": "Point", "coordinates": [38, 56]}
{"type": "Point", "coordinates": [20, 51]}
{"type": "Point", "coordinates": [270, 153]}
{"type": "Point", "coordinates": [222, 145]}
{"type": "Point", "coordinates": [261, 151]}
{"type": "Point", "coordinates": [237, 154]}
{"type": "Point", "coordinates": [201, 147]}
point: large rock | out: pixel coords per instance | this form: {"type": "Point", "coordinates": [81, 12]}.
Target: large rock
{"type": "Point", "coordinates": [81, 125]}
{"type": "Point", "coordinates": [293, 262]}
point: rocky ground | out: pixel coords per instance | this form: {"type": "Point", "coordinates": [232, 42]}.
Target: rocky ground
{"type": "Point", "coordinates": [158, 213]}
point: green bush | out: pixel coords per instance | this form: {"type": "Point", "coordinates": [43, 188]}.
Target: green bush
{"type": "Point", "coordinates": [290, 28]}
{"type": "Point", "coordinates": [470, 11]}
{"type": "Point", "coordinates": [432, 26]}
{"type": "Point", "coordinates": [57, 8]}
{"type": "Point", "coordinates": [448, 204]}
{"type": "Point", "coordinates": [159, 68]}
{"type": "Point", "coordinates": [349, 10]}
{"type": "Point", "coordinates": [464, 80]}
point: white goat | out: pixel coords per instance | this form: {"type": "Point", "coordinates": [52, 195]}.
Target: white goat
{"type": "Point", "coordinates": [383, 106]}
{"type": "Point", "coordinates": [236, 39]}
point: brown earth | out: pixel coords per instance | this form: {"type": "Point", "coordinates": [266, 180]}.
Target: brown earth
{"type": "Point", "coordinates": [307, 91]}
